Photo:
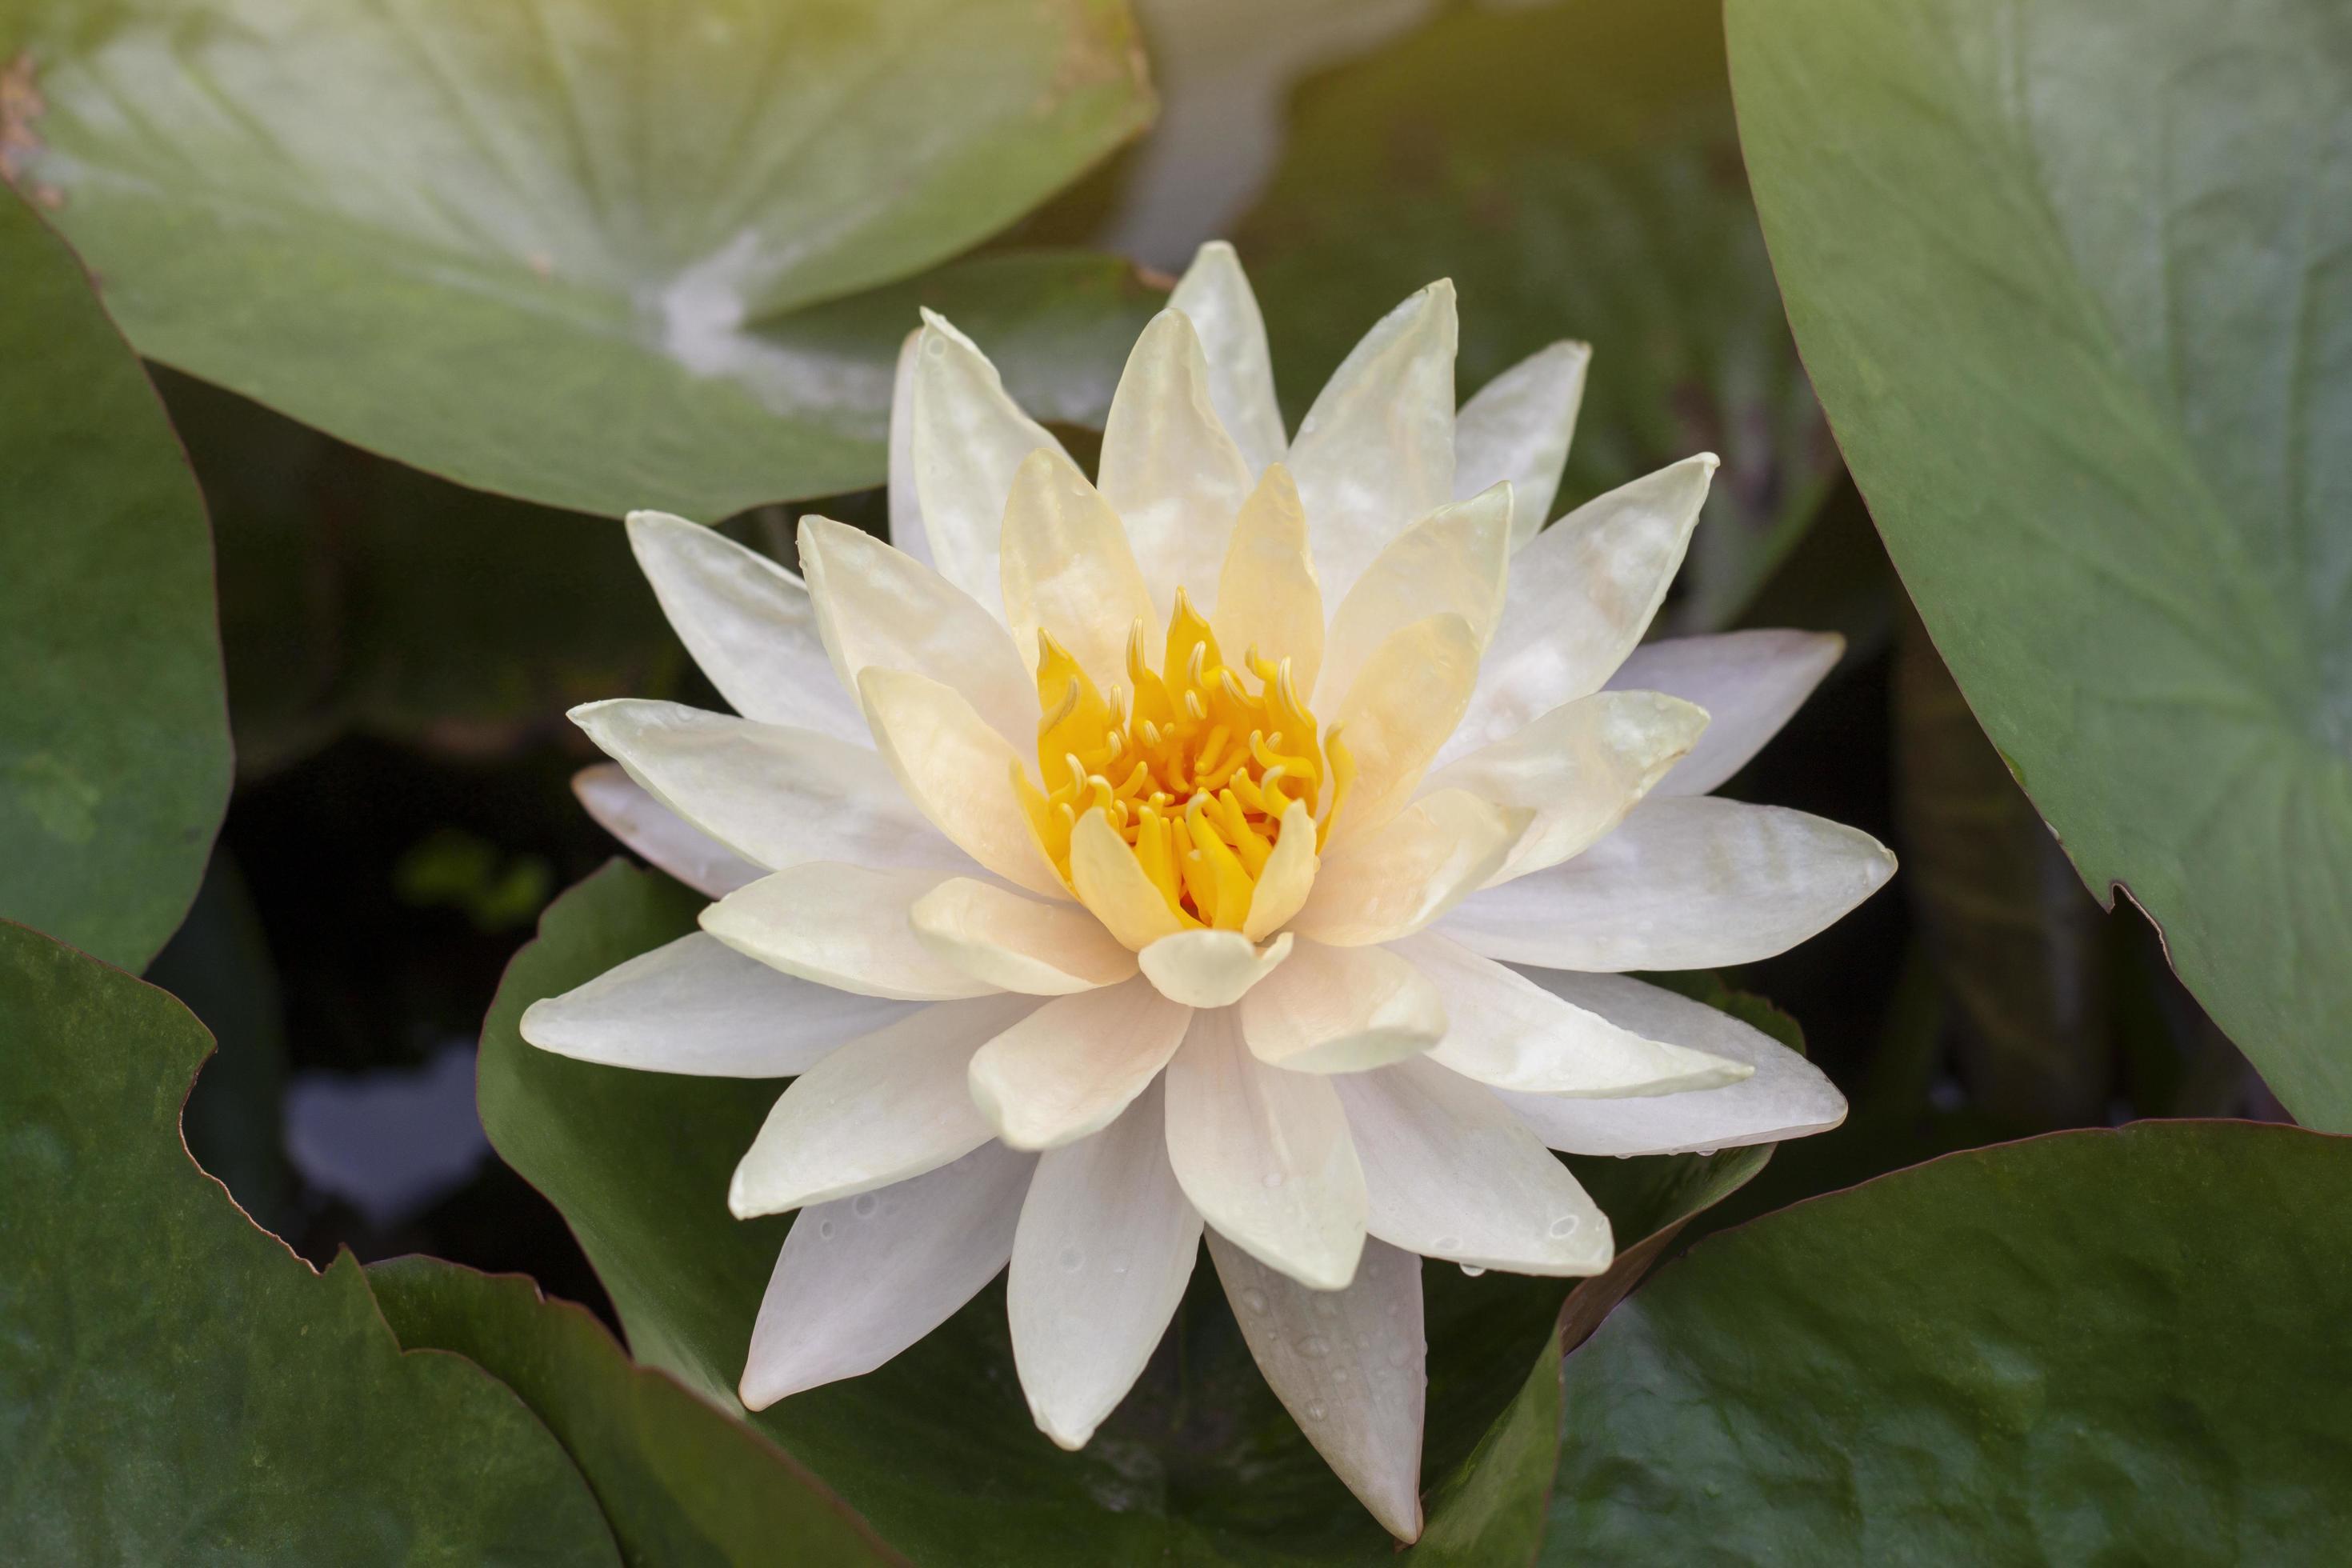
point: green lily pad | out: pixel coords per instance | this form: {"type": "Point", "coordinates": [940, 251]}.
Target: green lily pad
{"type": "Point", "coordinates": [114, 753]}
{"type": "Point", "coordinates": [564, 251]}
{"type": "Point", "coordinates": [2106, 1346]}
{"type": "Point", "coordinates": [174, 1384]}
{"type": "Point", "coordinates": [2069, 280]}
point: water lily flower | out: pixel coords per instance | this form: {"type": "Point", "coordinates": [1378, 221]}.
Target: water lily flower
{"type": "Point", "coordinates": [1246, 842]}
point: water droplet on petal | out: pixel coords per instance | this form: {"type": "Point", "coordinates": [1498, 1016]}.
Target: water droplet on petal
{"type": "Point", "coordinates": [1073, 1259]}
{"type": "Point", "coordinates": [864, 1205]}
{"type": "Point", "coordinates": [1274, 1178]}
{"type": "Point", "coordinates": [825, 1230]}
{"type": "Point", "coordinates": [1254, 1299]}
{"type": "Point", "coordinates": [1707, 1154]}
{"type": "Point", "coordinates": [1315, 1345]}
{"type": "Point", "coordinates": [1471, 1269]}
{"type": "Point", "coordinates": [1565, 1226]}
{"type": "Point", "coordinates": [1316, 1413]}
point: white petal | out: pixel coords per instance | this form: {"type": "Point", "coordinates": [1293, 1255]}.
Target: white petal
{"type": "Point", "coordinates": [1681, 884]}
{"type": "Point", "coordinates": [776, 796]}
{"type": "Point", "coordinates": [968, 439]}
{"type": "Point", "coordinates": [1115, 888]}
{"type": "Point", "coordinates": [1453, 1175]}
{"type": "Point", "coordinates": [884, 1107]}
{"type": "Point", "coordinates": [1399, 710]}
{"type": "Point", "coordinates": [1377, 449]}
{"type": "Point", "coordinates": [1518, 428]}
{"type": "Point", "coordinates": [876, 605]}
{"type": "Point", "coordinates": [1341, 1009]}
{"type": "Point", "coordinates": [1016, 943]}
{"type": "Point", "coordinates": [1069, 1067]}
{"type": "Point", "coordinates": [1069, 571]}
{"type": "Point", "coordinates": [1506, 1031]}
{"type": "Point", "coordinates": [1216, 295]}
{"type": "Point", "coordinates": [1349, 1366]}
{"type": "Point", "coordinates": [1105, 1245]}
{"type": "Point", "coordinates": [748, 622]}
{"type": "Point", "coordinates": [843, 926]}
{"type": "Point", "coordinates": [1582, 594]}
{"type": "Point", "coordinates": [659, 835]}
{"type": "Point", "coordinates": [1210, 968]}
{"type": "Point", "coordinates": [1451, 561]}
{"type": "Point", "coordinates": [1264, 1155]}
{"type": "Point", "coordinates": [698, 1006]}
{"type": "Point", "coordinates": [861, 1279]}
{"type": "Point", "coordinates": [1749, 682]}
{"type": "Point", "coordinates": [1168, 466]}
{"type": "Point", "coordinates": [1394, 882]}
{"type": "Point", "coordinates": [1787, 1097]}
{"type": "Point", "coordinates": [904, 497]}
{"type": "Point", "coordinates": [1580, 768]}
{"type": "Point", "coordinates": [959, 772]}
{"type": "Point", "coordinates": [1266, 595]}
{"type": "Point", "coordinates": [1289, 876]}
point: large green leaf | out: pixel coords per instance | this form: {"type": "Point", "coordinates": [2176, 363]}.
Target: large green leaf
{"type": "Point", "coordinates": [561, 248]}
{"type": "Point", "coordinates": [176, 1386]}
{"type": "Point", "coordinates": [114, 758]}
{"type": "Point", "coordinates": [2107, 1346]}
{"type": "Point", "coordinates": [1573, 168]}
{"type": "Point", "coordinates": [2069, 275]}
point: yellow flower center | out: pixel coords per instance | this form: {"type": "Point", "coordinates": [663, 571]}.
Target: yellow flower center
{"type": "Point", "coordinates": [1194, 766]}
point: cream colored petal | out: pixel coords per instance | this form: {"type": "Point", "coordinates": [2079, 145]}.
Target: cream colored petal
{"type": "Point", "coordinates": [1288, 878]}
{"type": "Point", "coordinates": [775, 795]}
{"type": "Point", "coordinates": [1681, 884]}
{"type": "Point", "coordinates": [885, 1107]}
{"type": "Point", "coordinates": [1580, 596]}
{"type": "Point", "coordinates": [1453, 1174]}
{"type": "Point", "coordinates": [1210, 968]}
{"type": "Point", "coordinates": [1350, 1366]}
{"type": "Point", "coordinates": [664, 838]}
{"type": "Point", "coordinates": [843, 926]}
{"type": "Point", "coordinates": [1264, 1155]}
{"type": "Point", "coordinates": [1069, 571]}
{"type": "Point", "coordinates": [1341, 1009]}
{"type": "Point", "coordinates": [1518, 428]}
{"type": "Point", "coordinates": [1168, 466]}
{"type": "Point", "coordinates": [748, 622]}
{"type": "Point", "coordinates": [1377, 448]}
{"type": "Point", "coordinates": [1112, 883]}
{"type": "Point", "coordinates": [879, 606]}
{"type": "Point", "coordinates": [1580, 768]}
{"type": "Point", "coordinates": [1070, 1067]}
{"type": "Point", "coordinates": [1399, 711]}
{"type": "Point", "coordinates": [1266, 597]}
{"type": "Point", "coordinates": [905, 496]}
{"type": "Point", "coordinates": [969, 438]}
{"type": "Point", "coordinates": [1392, 883]}
{"type": "Point", "coordinates": [1451, 561]}
{"type": "Point", "coordinates": [1014, 944]}
{"type": "Point", "coordinates": [1215, 294]}
{"type": "Point", "coordinates": [862, 1279]}
{"type": "Point", "coordinates": [1106, 1243]}
{"type": "Point", "coordinates": [1507, 1031]}
{"type": "Point", "coordinates": [1786, 1097]}
{"type": "Point", "coordinates": [1749, 683]}
{"type": "Point", "coordinates": [959, 772]}
{"type": "Point", "coordinates": [696, 1006]}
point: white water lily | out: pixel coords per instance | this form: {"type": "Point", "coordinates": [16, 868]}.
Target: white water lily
{"type": "Point", "coordinates": [1244, 842]}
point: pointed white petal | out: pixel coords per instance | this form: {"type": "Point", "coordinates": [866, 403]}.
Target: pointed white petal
{"type": "Point", "coordinates": [1402, 704]}
{"type": "Point", "coordinates": [1518, 428]}
{"type": "Point", "coordinates": [1105, 1245]}
{"type": "Point", "coordinates": [844, 926]}
{"type": "Point", "coordinates": [1115, 888]}
{"type": "Point", "coordinates": [1681, 884]}
{"type": "Point", "coordinates": [1210, 968]}
{"type": "Point", "coordinates": [1016, 943]}
{"type": "Point", "coordinates": [1451, 561]}
{"type": "Point", "coordinates": [969, 438]}
{"type": "Point", "coordinates": [876, 605]}
{"type": "Point", "coordinates": [1069, 571]}
{"type": "Point", "coordinates": [1267, 595]}
{"type": "Point", "coordinates": [1264, 1155]}
{"type": "Point", "coordinates": [1393, 883]}
{"type": "Point", "coordinates": [1069, 1067]}
{"type": "Point", "coordinates": [1349, 1366]}
{"type": "Point", "coordinates": [1341, 1009]}
{"type": "Point", "coordinates": [1168, 466]}
{"type": "Point", "coordinates": [904, 497]}
{"type": "Point", "coordinates": [1216, 295]}
{"type": "Point", "coordinates": [698, 1006]}
{"type": "Point", "coordinates": [748, 622]}
{"type": "Point", "coordinates": [959, 772]}
{"type": "Point", "coordinates": [1582, 594]}
{"type": "Point", "coordinates": [1749, 682]}
{"type": "Point", "coordinates": [1377, 448]}
{"type": "Point", "coordinates": [1453, 1175]}
{"type": "Point", "coordinates": [1289, 876]}
{"type": "Point", "coordinates": [1787, 1097]}
{"type": "Point", "coordinates": [1506, 1031]}
{"type": "Point", "coordinates": [884, 1107]}
{"type": "Point", "coordinates": [659, 835]}
{"type": "Point", "coordinates": [861, 1279]}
